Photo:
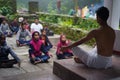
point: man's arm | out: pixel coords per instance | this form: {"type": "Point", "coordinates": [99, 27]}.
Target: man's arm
{"type": "Point", "coordinates": [14, 55]}
{"type": "Point", "coordinates": [29, 34]}
{"type": "Point", "coordinates": [90, 35]}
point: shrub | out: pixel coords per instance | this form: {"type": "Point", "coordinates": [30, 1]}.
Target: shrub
{"type": "Point", "coordinates": [71, 33]}
{"type": "Point", "coordinates": [5, 10]}
{"type": "Point", "coordinates": [69, 21]}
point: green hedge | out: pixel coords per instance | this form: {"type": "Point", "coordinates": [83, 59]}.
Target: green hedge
{"type": "Point", "coordinates": [71, 33]}
{"type": "Point", "coordinates": [69, 21]}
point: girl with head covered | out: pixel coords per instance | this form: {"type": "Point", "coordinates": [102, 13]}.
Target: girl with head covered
{"type": "Point", "coordinates": [36, 50]}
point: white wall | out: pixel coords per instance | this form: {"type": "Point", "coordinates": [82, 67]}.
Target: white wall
{"type": "Point", "coordinates": [114, 8]}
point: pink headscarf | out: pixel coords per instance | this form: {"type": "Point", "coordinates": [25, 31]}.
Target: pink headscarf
{"type": "Point", "coordinates": [36, 44]}
{"type": "Point", "coordinates": [61, 44]}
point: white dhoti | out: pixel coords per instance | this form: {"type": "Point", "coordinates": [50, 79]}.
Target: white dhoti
{"type": "Point", "coordinates": [92, 58]}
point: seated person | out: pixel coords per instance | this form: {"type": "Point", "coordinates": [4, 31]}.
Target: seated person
{"type": "Point", "coordinates": [63, 54]}
{"type": "Point", "coordinates": [101, 55]}
{"type": "Point", "coordinates": [48, 31]}
{"type": "Point", "coordinates": [5, 50]}
{"type": "Point", "coordinates": [47, 44]}
{"type": "Point", "coordinates": [27, 24]}
{"type": "Point", "coordinates": [4, 28]}
{"type": "Point", "coordinates": [21, 36]}
{"type": "Point", "coordinates": [36, 26]}
{"type": "Point", "coordinates": [14, 26]}
{"type": "Point", "coordinates": [36, 49]}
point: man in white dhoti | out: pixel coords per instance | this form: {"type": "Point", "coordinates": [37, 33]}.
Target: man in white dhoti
{"type": "Point", "coordinates": [101, 56]}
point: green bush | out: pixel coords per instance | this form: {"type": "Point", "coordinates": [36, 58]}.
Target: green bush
{"type": "Point", "coordinates": [71, 33]}
{"type": "Point", "coordinates": [11, 17]}
{"type": "Point", "coordinates": [6, 10]}
{"type": "Point", "coordinates": [69, 21]}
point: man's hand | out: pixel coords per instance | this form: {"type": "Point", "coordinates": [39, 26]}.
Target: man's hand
{"type": "Point", "coordinates": [63, 48]}
{"type": "Point", "coordinates": [19, 64]}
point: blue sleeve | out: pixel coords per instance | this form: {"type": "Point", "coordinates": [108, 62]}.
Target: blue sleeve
{"type": "Point", "coordinates": [48, 41]}
{"type": "Point", "coordinates": [43, 49]}
{"type": "Point", "coordinates": [14, 55]}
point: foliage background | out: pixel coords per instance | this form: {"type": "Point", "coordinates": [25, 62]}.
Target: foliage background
{"type": "Point", "coordinates": [7, 7]}
{"type": "Point", "coordinates": [50, 5]}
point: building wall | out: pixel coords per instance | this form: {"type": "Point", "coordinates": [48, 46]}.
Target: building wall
{"type": "Point", "coordinates": [113, 6]}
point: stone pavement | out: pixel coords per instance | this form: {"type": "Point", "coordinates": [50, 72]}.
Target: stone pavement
{"type": "Point", "coordinates": [43, 71]}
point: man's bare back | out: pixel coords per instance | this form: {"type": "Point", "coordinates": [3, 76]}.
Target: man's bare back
{"type": "Point", "coordinates": [105, 37]}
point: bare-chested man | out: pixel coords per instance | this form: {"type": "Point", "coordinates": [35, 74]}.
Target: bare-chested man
{"type": "Point", "coordinates": [101, 55]}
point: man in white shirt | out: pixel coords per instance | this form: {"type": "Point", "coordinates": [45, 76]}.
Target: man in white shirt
{"type": "Point", "coordinates": [36, 26]}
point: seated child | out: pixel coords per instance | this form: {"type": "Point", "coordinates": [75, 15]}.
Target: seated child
{"type": "Point", "coordinates": [67, 53]}
{"type": "Point", "coordinates": [48, 31]}
{"type": "Point", "coordinates": [27, 24]}
{"type": "Point", "coordinates": [14, 26]}
{"type": "Point", "coordinates": [5, 50]}
{"type": "Point", "coordinates": [4, 28]}
{"type": "Point", "coordinates": [47, 44]}
{"type": "Point", "coordinates": [36, 49]}
{"type": "Point", "coordinates": [21, 36]}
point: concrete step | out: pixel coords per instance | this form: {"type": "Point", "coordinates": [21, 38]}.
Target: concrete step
{"type": "Point", "coordinates": [54, 39]}
{"type": "Point", "coordinates": [38, 75]}
{"type": "Point", "coordinates": [67, 69]}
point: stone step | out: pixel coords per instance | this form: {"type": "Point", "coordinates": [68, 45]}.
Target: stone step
{"type": "Point", "coordinates": [38, 75]}
{"type": "Point", "coordinates": [54, 39]}
{"type": "Point", "coordinates": [67, 69]}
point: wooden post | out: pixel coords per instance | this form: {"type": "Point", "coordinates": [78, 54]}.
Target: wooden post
{"type": "Point", "coordinates": [33, 7]}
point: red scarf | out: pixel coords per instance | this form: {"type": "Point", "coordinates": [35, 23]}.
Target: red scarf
{"type": "Point", "coordinates": [37, 45]}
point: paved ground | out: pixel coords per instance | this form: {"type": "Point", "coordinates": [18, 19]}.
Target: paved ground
{"type": "Point", "coordinates": [28, 71]}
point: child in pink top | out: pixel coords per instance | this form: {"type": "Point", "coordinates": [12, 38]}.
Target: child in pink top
{"type": "Point", "coordinates": [36, 50]}
{"type": "Point", "coordinates": [67, 53]}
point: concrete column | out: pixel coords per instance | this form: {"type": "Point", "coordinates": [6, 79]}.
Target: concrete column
{"type": "Point", "coordinates": [115, 14]}
{"type": "Point", "coordinates": [113, 6]}
{"type": "Point", "coordinates": [108, 4]}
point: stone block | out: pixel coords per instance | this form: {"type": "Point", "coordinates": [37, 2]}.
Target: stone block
{"type": "Point", "coordinates": [67, 69]}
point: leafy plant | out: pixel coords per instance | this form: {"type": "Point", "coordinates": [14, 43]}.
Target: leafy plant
{"type": "Point", "coordinates": [67, 21]}
{"type": "Point", "coordinates": [11, 16]}
{"type": "Point", "coordinates": [5, 10]}
{"type": "Point", "coordinates": [51, 10]}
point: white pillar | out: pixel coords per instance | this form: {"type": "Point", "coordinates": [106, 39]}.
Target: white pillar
{"type": "Point", "coordinates": [113, 6]}
{"type": "Point", "coordinates": [108, 4]}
